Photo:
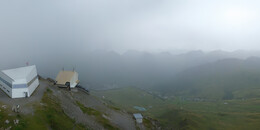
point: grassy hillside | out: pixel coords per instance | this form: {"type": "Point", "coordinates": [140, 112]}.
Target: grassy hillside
{"type": "Point", "coordinates": [128, 97]}
{"type": "Point", "coordinates": [225, 79]}
{"type": "Point", "coordinates": [49, 115]}
{"type": "Point", "coordinates": [183, 114]}
{"type": "Point", "coordinates": [98, 115]}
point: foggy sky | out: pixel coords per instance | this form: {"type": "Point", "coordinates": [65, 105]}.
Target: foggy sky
{"type": "Point", "coordinates": [29, 26]}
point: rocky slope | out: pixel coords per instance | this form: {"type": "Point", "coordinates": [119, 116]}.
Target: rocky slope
{"type": "Point", "coordinates": [51, 107]}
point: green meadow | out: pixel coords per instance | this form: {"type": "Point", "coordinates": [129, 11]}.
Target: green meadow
{"type": "Point", "coordinates": [47, 116]}
{"type": "Point", "coordinates": [178, 113]}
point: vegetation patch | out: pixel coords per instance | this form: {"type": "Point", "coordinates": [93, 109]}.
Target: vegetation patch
{"type": "Point", "coordinates": [48, 90]}
{"type": "Point", "coordinates": [98, 115]}
{"type": "Point", "coordinates": [147, 123]}
{"type": "Point", "coordinates": [47, 116]}
{"type": "Point", "coordinates": [180, 113]}
{"type": "Point", "coordinates": [114, 107]}
{"type": "Point", "coordinates": [4, 116]}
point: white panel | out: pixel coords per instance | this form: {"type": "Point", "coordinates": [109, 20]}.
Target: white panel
{"type": "Point", "coordinates": [8, 79]}
{"type": "Point", "coordinates": [33, 86]}
{"type": "Point", "coordinates": [19, 92]}
{"type": "Point", "coordinates": [31, 75]}
{"type": "Point", "coordinates": [74, 80]}
{"type": "Point", "coordinates": [3, 86]}
{"type": "Point", "coordinates": [139, 120]}
{"type": "Point", "coordinates": [6, 89]}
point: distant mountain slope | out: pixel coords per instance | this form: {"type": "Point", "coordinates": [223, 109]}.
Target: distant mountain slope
{"type": "Point", "coordinates": [224, 79]}
{"type": "Point", "coordinates": [98, 69]}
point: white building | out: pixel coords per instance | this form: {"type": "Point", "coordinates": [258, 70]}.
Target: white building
{"type": "Point", "coordinates": [68, 76]}
{"type": "Point", "coordinates": [138, 117]}
{"type": "Point", "coordinates": [19, 82]}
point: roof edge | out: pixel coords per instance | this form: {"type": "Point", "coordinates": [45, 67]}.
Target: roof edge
{"type": "Point", "coordinates": [7, 75]}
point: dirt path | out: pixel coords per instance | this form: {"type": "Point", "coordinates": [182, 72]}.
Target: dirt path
{"type": "Point", "coordinates": [72, 110]}
{"type": "Point", "coordinates": [120, 119]}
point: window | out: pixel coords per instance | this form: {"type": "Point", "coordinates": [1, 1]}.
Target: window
{"type": "Point", "coordinates": [5, 82]}
{"type": "Point", "coordinates": [19, 86]}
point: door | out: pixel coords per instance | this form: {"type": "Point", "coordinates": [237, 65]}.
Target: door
{"type": "Point", "coordinates": [26, 94]}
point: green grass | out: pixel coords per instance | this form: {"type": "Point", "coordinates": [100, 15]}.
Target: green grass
{"type": "Point", "coordinates": [4, 116]}
{"type": "Point", "coordinates": [88, 110]}
{"type": "Point", "coordinates": [147, 123]}
{"type": "Point", "coordinates": [128, 97]}
{"type": "Point", "coordinates": [114, 107]}
{"type": "Point", "coordinates": [181, 114]}
{"type": "Point", "coordinates": [48, 116]}
{"type": "Point", "coordinates": [98, 115]}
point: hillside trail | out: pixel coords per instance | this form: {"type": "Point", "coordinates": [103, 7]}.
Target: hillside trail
{"type": "Point", "coordinates": [120, 119]}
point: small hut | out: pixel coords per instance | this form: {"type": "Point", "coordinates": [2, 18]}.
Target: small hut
{"type": "Point", "coordinates": [138, 117]}
{"type": "Point", "coordinates": [65, 77]}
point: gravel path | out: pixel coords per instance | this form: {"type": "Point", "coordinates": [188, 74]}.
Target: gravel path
{"type": "Point", "coordinates": [122, 120]}
{"type": "Point", "coordinates": [72, 110]}
{"type": "Point", "coordinates": [25, 103]}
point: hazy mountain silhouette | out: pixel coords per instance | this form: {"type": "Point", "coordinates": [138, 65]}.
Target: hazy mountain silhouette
{"type": "Point", "coordinates": [218, 80]}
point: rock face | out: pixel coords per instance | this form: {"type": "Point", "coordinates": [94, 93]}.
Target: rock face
{"type": "Point", "coordinates": [6, 121]}
{"type": "Point", "coordinates": [16, 121]}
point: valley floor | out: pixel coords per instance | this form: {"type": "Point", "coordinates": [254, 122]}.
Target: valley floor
{"type": "Point", "coordinates": [176, 113]}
